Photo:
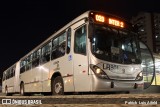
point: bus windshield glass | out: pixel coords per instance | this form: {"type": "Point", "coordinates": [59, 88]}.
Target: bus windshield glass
{"type": "Point", "coordinates": [115, 45]}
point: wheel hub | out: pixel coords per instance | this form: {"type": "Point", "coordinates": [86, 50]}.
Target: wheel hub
{"type": "Point", "coordinates": [58, 87]}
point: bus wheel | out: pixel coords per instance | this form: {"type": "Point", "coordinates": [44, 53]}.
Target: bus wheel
{"type": "Point", "coordinates": [22, 89]}
{"type": "Point", "coordinates": [57, 86]}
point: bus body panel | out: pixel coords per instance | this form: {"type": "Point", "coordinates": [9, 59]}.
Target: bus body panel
{"type": "Point", "coordinates": [10, 85]}
{"type": "Point", "coordinates": [45, 80]}
{"type": "Point", "coordinates": [64, 66]}
{"type": "Point", "coordinates": [17, 81]}
{"type": "Point", "coordinates": [32, 80]}
{"type": "Point", "coordinates": [106, 85]}
{"type": "Point", "coordinates": [35, 80]}
{"type": "Point", "coordinates": [68, 72]}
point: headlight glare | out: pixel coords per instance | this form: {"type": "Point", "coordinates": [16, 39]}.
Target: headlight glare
{"type": "Point", "coordinates": [99, 72]}
{"type": "Point", "coordinates": [139, 76]}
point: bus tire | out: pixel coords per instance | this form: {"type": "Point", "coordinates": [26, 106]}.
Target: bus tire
{"type": "Point", "coordinates": [22, 89]}
{"type": "Point", "coordinates": [57, 86]}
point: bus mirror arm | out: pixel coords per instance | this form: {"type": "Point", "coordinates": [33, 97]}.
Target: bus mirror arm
{"type": "Point", "coordinates": [90, 30]}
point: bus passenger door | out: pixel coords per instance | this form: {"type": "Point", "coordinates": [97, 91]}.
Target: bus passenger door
{"type": "Point", "coordinates": [80, 58]}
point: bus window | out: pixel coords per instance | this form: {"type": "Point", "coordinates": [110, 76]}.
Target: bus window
{"type": "Point", "coordinates": [80, 41]}
{"type": "Point", "coordinates": [36, 58]}
{"type": "Point", "coordinates": [8, 74]}
{"type": "Point", "coordinates": [28, 62]}
{"type": "Point", "coordinates": [58, 46]}
{"type": "Point", "coordinates": [13, 70]}
{"type": "Point", "coordinates": [11, 73]}
{"type": "Point", "coordinates": [68, 40]}
{"type": "Point", "coordinates": [22, 66]}
{"type": "Point", "coordinates": [4, 76]}
{"type": "Point", "coordinates": [46, 53]}
{"type": "Point", "coordinates": [62, 44]}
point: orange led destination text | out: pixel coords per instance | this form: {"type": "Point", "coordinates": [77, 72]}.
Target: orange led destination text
{"type": "Point", "coordinates": [99, 18]}
{"type": "Point", "coordinates": [116, 23]}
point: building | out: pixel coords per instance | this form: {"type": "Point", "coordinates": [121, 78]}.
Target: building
{"type": "Point", "coordinates": [148, 25]}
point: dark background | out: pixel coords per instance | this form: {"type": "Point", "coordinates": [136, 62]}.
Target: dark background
{"type": "Point", "coordinates": [25, 24]}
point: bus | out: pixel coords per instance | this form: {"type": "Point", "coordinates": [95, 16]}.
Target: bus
{"type": "Point", "coordinates": [95, 52]}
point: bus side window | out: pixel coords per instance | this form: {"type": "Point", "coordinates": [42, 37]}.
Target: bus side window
{"type": "Point", "coordinates": [13, 70]}
{"type": "Point", "coordinates": [54, 48]}
{"type": "Point", "coordinates": [36, 58]}
{"type": "Point", "coordinates": [58, 46]}
{"type": "Point", "coordinates": [62, 45]}
{"type": "Point", "coordinates": [22, 66]}
{"type": "Point", "coordinates": [28, 61]}
{"type": "Point", "coordinates": [68, 40]}
{"type": "Point", "coordinates": [46, 50]}
{"type": "Point", "coordinates": [8, 74]}
{"type": "Point", "coordinates": [11, 73]}
{"type": "Point", "coordinates": [4, 76]}
{"type": "Point", "coordinates": [80, 41]}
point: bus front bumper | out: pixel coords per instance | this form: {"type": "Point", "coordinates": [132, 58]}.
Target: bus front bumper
{"type": "Point", "coordinates": [115, 85]}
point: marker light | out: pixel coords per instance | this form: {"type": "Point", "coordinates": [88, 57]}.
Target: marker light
{"type": "Point", "coordinates": [99, 18]}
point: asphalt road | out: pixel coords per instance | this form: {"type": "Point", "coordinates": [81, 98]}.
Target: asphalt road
{"type": "Point", "coordinates": [86, 100]}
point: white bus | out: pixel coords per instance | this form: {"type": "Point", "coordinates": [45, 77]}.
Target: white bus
{"type": "Point", "coordinates": [95, 52]}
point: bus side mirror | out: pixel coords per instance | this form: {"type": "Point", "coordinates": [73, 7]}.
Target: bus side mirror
{"type": "Point", "coordinates": [147, 64]}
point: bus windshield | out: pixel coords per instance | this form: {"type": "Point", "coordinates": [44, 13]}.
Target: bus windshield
{"type": "Point", "coordinates": [115, 45]}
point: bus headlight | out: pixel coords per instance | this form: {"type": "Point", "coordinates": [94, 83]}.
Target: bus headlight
{"type": "Point", "coordinates": [139, 76]}
{"type": "Point", "coordinates": [99, 72]}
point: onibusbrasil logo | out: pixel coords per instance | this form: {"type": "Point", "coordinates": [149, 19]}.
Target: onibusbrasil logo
{"type": "Point", "coordinates": [21, 101]}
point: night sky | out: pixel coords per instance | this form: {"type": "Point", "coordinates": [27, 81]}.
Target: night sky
{"type": "Point", "coordinates": [25, 24]}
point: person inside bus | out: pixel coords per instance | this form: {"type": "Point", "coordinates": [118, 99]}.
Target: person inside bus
{"type": "Point", "coordinates": [61, 49]}
{"type": "Point", "coordinates": [99, 51]}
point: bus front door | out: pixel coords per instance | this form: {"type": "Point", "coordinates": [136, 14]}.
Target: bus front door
{"type": "Point", "coordinates": [80, 57]}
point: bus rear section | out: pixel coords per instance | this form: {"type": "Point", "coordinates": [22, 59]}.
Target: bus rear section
{"type": "Point", "coordinates": [10, 81]}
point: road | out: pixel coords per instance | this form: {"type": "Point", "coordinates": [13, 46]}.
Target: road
{"type": "Point", "coordinates": [88, 100]}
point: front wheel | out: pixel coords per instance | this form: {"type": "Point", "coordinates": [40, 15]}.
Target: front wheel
{"type": "Point", "coordinates": [57, 86]}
